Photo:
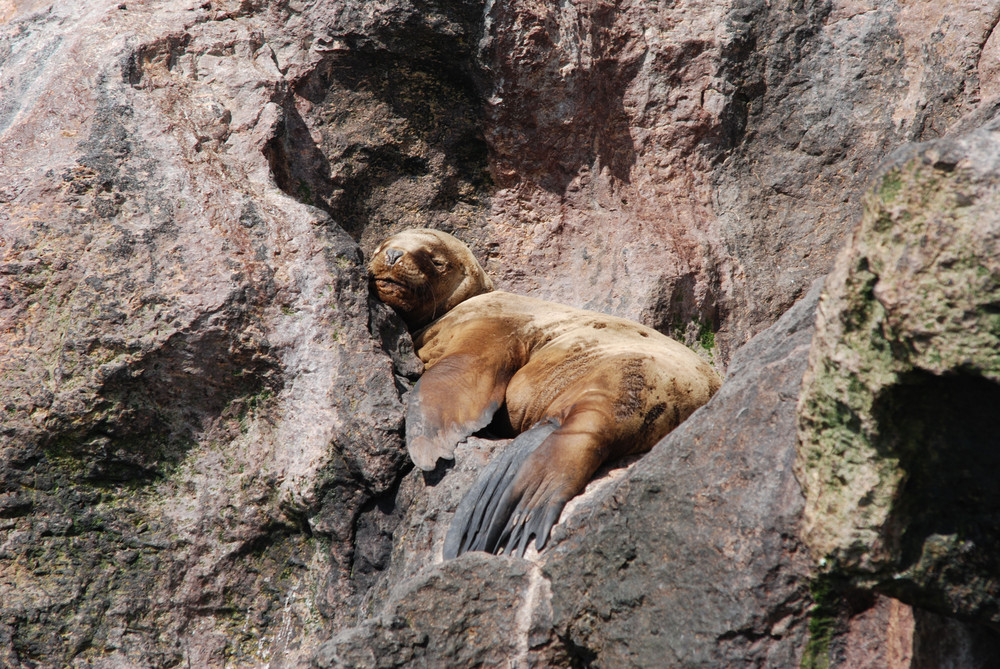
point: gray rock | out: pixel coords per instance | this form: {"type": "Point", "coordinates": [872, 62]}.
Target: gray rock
{"type": "Point", "coordinates": [459, 614]}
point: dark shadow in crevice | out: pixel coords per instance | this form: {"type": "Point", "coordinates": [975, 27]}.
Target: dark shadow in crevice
{"type": "Point", "coordinates": [938, 641]}
{"type": "Point", "coordinates": [374, 526]}
{"type": "Point", "coordinates": [684, 311]}
{"type": "Point", "coordinates": [399, 138]}
{"type": "Point", "coordinates": [945, 431]}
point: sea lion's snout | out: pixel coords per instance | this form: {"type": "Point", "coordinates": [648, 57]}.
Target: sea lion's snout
{"type": "Point", "coordinates": [392, 256]}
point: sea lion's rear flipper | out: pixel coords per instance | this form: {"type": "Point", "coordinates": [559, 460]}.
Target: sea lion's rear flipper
{"type": "Point", "coordinates": [483, 514]}
{"type": "Point", "coordinates": [521, 493]}
{"type": "Point", "coordinates": [452, 400]}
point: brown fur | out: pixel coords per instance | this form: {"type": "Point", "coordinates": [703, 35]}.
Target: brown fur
{"type": "Point", "coordinates": [607, 386]}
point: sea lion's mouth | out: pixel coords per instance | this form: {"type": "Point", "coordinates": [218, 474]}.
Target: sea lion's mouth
{"type": "Point", "coordinates": [386, 282]}
{"type": "Point", "coordinates": [392, 291]}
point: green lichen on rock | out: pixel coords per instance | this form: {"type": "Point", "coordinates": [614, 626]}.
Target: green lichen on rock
{"type": "Point", "coordinates": [84, 563]}
{"type": "Point", "coordinates": [890, 187]}
{"type": "Point", "coordinates": [822, 623]}
{"type": "Point", "coordinates": [706, 337]}
{"type": "Point", "coordinates": [696, 333]}
{"type": "Point", "coordinates": [896, 423]}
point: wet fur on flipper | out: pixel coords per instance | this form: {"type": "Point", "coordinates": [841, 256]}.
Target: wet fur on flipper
{"type": "Point", "coordinates": [428, 440]}
{"type": "Point", "coordinates": [489, 517]}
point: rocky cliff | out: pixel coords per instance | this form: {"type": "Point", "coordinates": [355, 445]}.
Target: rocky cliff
{"type": "Point", "coordinates": [201, 458]}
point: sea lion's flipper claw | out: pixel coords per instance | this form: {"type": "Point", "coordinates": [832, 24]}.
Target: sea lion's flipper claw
{"type": "Point", "coordinates": [452, 400]}
{"type": "Point", "coordinates": [483, 515]}
{"type": "Point", "coordinates": [544, 523]}
{"type": "Point", "coordinates": [536, 522]}
{"type": "Point", "coordinates": [522, 538]}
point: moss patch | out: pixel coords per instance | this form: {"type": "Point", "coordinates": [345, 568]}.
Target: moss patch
{"type": "Point", "coordinates": [823, 621]}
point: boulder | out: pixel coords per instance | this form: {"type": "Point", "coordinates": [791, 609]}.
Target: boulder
{"type": "Point", "coordinates": [900, 436]}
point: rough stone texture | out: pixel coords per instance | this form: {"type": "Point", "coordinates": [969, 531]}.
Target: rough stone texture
{"type": "Point", "coordinates": [200, 413]}
{"type": "Point", "coordinates": [880, 636]}
{"type": "Point", "coordinates": [194, 410]}
{"type": "Point", "coordinates": [696, 165]}
{"type": "Point", "coordinates": [477, 594]}
{"type": "Point", "coordinates": [884, 633]}
{"type": "Point", "coordinates": [899, 426]}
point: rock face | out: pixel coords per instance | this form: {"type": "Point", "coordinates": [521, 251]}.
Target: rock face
{"type": "Point", "coordinates": [201, 454]}
{"type": "Point", "coordinates": [195, 412]}
{"type": "Point", "coordinates": [899, 430]}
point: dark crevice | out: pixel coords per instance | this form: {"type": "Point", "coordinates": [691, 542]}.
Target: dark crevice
{"type": "Point", "coordinates": [938, 642]}
{"type": "Point", "coordinates": [684, 311]}
{"type": "Point", "coordinates": [579, 657]}
{"type": "Point", "coordinates": [374, 526]}
{"type": "Point", "coordinates": [400, 137]}
{"type": "Point", "coordinates": [945, 431]}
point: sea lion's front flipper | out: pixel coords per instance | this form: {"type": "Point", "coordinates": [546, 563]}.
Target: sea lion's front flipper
{"type": "Point", "coordinates": [453, 399]}
{"type": "Point", "coordinates": [483, 513]}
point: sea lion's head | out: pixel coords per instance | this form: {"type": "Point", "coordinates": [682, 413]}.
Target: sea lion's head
{"type": "Point", "coordinates": [423, 273]}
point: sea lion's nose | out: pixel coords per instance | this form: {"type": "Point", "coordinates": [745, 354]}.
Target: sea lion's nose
{"type": "Point", "coordinates": [392, 256]}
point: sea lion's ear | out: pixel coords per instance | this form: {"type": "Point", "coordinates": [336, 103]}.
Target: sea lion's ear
{"type": "Point", "coordinates": [452, 400]}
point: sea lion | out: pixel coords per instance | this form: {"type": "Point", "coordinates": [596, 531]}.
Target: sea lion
{"type": "Point", "coordinates": [578, 387]}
